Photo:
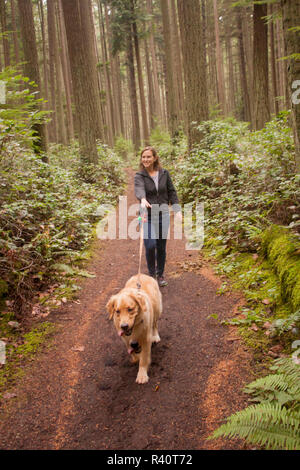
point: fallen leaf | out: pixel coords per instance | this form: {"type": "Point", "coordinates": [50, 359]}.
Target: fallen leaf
{"type": "Point", "coordinates": [14, 324]}
{"type": "Point", "coordinates": [273, 354]}
{"type": "Point", "coordinates": [277, 348]}
{"type": "Point", "coordinates": [8, 395]}
{"type": "Point", "coordinates": [266, 301]}
{"type": "Point", "coordinates": [254, 327]}
{"type": "Point", "coordinates": [78, 348]}
{"type": "Point", "coordinates": [267, 325]}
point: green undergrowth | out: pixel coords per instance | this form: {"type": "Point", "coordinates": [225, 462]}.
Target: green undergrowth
{"type": "Point", "coordinates": [271, 293]}
{"type": "Point", "coordinates": [20, 348]}
{"type": "Point", "coordinates": [48, 210]}
{"type": "Point", "coordinates": [282, 249]}
{"type": "Point", "coordinates": [250, 192]}
{"type": "Point", "coordinates": [251, 195]}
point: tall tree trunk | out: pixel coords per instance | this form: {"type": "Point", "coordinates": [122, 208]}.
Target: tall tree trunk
{"type": "Point", "coordinates": [116, 81]}
{"type": "Point", "coordinates": [212, 70]}
{"type": "Point", "coordinates": [247, 29]}
{"type": "Point", "coordinates": [243, 74]}
{"type": "Point", "coordinates": [194, 68]}
{"type": "Point", "coordinates": [84, 76]}
{"type": "Point", "coordinates": [45, 68]}
{"type": "Point", "coordinates": [62, 130]}
{"type": "Point", "coordinates": [89, 26]}
{"type": "Point", "coordinates": [157, 99]}
{"type": "Point", "coordinates": [260, 66]}
{"type": "Point", "coordinates": [177, 60]}
{"type": "Point", "coordinates": [5, 40]}
{"type": "Point", "coordinates": [273, 64]}
{"type": "Point", "coordinates": [65, 70]}
{"type": "Point", "coordinates": [31, 68]}
{"type": "Point", "coordinates": [173, 118]}
{"type": "Point", "coordinates": [219, 60]}
{"type": "Point", "coordinates": [15, 32]}
{"type": "Point", "coordinates": [109, 95]}
{"type": "Point", "coordinates": [136, 134]}
{"type": "Point", "coordinates": [291, 19]}
{"type": "Point", "coordinates": [231, 87]}
{"type": "Point", "coordinates": [151, 98]}
{"type": "Point", "coordinates": [141, 83]}
{"type": "Point", "coordinates": [52, 46]}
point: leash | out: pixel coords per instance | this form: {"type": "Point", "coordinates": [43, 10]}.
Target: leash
{"type": "Point", "coordinates": [142, 219]}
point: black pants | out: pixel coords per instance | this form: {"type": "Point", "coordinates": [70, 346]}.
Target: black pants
{"type": "Point", "coordinates": [155, 241]}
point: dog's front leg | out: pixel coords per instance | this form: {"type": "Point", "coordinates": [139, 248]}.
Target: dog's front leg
{"type": "Point", "coordinates": [145, 359]}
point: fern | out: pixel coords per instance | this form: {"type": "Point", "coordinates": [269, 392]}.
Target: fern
{"type": "Point", "coordinates": [283, 387]}
{"type": "Point", "coordinates": [275, 422]}
{"type": "Point", "coordinates": [283, 325]}
{"type": "Point", "coordinates": [265, 424]}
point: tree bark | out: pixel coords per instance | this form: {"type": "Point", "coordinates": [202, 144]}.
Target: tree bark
{"type": "Point", "coordinates": [179, 88]}
{"type": "Point", "coordinates": [52, 47]}
{"type": "Point", "coordinates": [84, 76]}
{"type": "Point", "coordinates": [136, 134]}
{"type": "Point", "coordinates": [65, 70]}
{"type": "Point", "coordinates": [172, 110]}
{"type": "Point", "coordinates": [15, 32]}
{"type": "Point", "coordinates": [158, 112]}
{"type": "Point", "coordinates": [141, 83]}
{"type": "Point", "coordinates": [219, 60]}
{"type": "Point", "coordinates": [5, 40]}
{"type": "Point", "coordinates": [31, 68]}
{"type": "Point", "coordinates": [194, 67]}
{"type": "Point", "coordinates": [45, 57]}
{"type": "Point", "coordinates": [273, 65]}
{"type": "Point", "coordinates": [243, 74]}
{"type": "Point", "coordinates": [291, 19]}
{"type": "Point", "coordinates": [151, 99]}
{"type": "Point", "coordinates": [261, 113]}
{"type": "Point", "coordinates": [109, 95]}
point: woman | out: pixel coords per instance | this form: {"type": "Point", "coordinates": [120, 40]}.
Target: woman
{"type": "Point", "coordinates": [154, 189]}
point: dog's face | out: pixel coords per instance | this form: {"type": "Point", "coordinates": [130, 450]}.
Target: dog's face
{"type": "Point", "coordinates": [125, 308]}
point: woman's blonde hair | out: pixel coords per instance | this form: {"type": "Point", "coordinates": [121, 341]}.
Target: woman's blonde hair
{"type": "Point", "coordinates": [156, 165]}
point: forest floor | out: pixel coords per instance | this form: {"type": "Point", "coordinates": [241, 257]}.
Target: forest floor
{"type": "Point", "coordinates": [80, 393]}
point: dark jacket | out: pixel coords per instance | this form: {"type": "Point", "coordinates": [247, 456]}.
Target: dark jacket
{"type": "Point", "coordinates": [144, 187]}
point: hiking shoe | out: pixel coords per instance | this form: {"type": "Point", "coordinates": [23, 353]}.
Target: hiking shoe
{"type": "Point", "coordinates": [161, 281]}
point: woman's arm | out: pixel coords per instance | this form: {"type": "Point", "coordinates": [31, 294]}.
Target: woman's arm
{"type": "Point", "coordinates": [139, 189]}
{"type": "Point", "coordinates": [172, 194]}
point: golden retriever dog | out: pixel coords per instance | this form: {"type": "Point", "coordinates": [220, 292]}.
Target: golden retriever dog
{"type": "Point", "coordinates": [135, 313]}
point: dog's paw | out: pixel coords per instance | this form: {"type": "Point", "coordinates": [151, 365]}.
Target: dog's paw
{"type": "Point", "coordinates": [142, 377]}
{"type": "Point", "coordinates": [156, 338]}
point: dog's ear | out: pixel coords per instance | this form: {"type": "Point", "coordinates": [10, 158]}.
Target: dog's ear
{"type": "Point", "coordinates": [140, 300]}
{"type": "Point", "coordinates": [110, 306]}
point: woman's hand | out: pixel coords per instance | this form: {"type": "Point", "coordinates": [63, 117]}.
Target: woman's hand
{"type": "Point", "coordinates": [145, 203]}
{"type": "Point", "coordinates": [178, 216]}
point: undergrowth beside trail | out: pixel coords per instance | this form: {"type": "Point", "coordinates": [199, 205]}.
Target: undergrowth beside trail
{"type": "Point", "coordinates": [251, 195]}
{"type": "Point", "coordinates": [48, 215]}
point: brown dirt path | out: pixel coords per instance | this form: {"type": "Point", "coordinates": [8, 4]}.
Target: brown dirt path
{"type": "Point", "coordinates": [88, 399]}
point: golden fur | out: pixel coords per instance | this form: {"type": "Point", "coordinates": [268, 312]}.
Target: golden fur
{"type": "Point", "coordinates": [135, 313]}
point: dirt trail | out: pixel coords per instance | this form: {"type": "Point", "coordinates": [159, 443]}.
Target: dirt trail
{"type": "Point", "coordinates": [88, 399]}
